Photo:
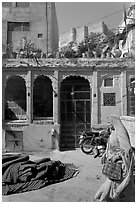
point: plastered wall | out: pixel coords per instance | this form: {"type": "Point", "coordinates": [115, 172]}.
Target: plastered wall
{"type": "Point", "coordinates": [42, 19]}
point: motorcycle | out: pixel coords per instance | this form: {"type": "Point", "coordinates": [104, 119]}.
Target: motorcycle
{"type": "Point", "coordinates": [93, 142]}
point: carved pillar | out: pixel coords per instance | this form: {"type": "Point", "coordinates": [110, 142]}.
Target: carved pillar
{"type": "Point", "coordinates": [94, 108]}
{"type": "Point", "coordinates": [3, 97]}
{"type": "Point", "coordinates": [29, 96]}
{"type": "Point", "coordinates": [55, 98]}
{"type": "Point", "coordinates": [124, 93]}
{"type": "Point", "coordinates": [90, 78]}
{"type": "Point", "coordinates": [3, 110]}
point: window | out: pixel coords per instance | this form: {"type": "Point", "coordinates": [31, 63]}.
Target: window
{"type": "Point", "coordinates": [6, 4]}
{"type": "Point", "coordinates": [18, 26]}
{"type": "Point", "coordinates": [39, 35]}
{"type": "Point", "coordinates": [108, 82]}
{"type": "Point", "coordinates": [22, 4]}
{"type": "Point", "coordinates": [109, 99]}
{"type": "Point", "coordinates": [132, 96]}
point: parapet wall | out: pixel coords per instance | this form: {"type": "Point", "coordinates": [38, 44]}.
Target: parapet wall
{"type": "Point", "coordinates": [78, 34]}
{"type": "Point", "coordinates": [81, 33]}
{"type": "Point", "coordinates": [67, 37]}
{"type": "Point", "coordinates": [96, 28]}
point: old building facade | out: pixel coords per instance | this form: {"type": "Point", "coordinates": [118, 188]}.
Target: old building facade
{"type": "Point", "coordinates": [35, 21]}
{"type": "Point", "coordinates": [47, 102]}
{"type": "Point", "coordinates": [66, 96]}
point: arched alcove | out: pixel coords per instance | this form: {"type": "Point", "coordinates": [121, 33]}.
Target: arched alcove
{"type": "Point", "coordinates": [42, 98]}
{"type": "Point", "coordinates": [15, 98]}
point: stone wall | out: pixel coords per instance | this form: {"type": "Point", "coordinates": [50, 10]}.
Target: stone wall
{"type": "Point", "coordinates": [96, 28]}
{"type": "Point", "coordinates": [78, 34]}
{"type": "Point", "coordinates": [81, 33]}
{"type": "Point", "coordinates": [67, 37]}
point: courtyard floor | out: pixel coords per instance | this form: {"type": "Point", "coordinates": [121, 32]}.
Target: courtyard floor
{"type": "Point", "coordinates": [81, 188]}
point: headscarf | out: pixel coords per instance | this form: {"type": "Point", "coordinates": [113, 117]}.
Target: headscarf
{"type": "Point", "coordinates": [121, 133]}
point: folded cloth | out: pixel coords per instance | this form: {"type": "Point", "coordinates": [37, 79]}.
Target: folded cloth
{"type": "Point", "coordinates": [48, 170]}
{"type": "Point", "coordinates": [26, 176]}
{"type": "Point", "coordinates": [9, 157]}
{"type": "Point", "coordinates": [27, 165]}
{"type": "Point", "coordinates": [56, 171]}
{"type": "Point", "coordinates": [11, 174]}
{"type": "Point", "coordinates": [43, 160]}
{"type": "Point", "coordinates": [5, 165]}
{"type": "Point", "coordinates": [42, 166]}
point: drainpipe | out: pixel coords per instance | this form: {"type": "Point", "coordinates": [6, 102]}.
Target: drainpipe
{"type": "Point", "coordinates": [47, 26]}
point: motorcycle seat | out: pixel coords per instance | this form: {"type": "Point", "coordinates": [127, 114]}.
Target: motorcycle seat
{"type": "Point", "coordinates": [97, 129]}
{"type": "Point", "coordinates": [92, 132]}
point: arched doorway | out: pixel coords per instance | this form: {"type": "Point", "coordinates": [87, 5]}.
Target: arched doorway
{"type": "Point", "coordinates": [42, 98]}
{"type": "Point", "coordinates": [15, 98]}
{"type": "Point", "coordinates": [75, 110]}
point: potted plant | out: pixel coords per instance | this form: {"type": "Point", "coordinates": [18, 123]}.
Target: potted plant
{"type": "Point", "coordinates": [27, 49]}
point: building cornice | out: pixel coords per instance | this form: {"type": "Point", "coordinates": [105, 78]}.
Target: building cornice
{"type": "Point", "coordinates": [70, 63]}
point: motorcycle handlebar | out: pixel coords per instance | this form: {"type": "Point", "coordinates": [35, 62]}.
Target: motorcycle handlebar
{"type": "Point", "coordinates": [95, 133]}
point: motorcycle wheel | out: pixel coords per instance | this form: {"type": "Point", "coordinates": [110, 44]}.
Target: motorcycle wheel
{"type": "Point", "coordinates": [86, 146]}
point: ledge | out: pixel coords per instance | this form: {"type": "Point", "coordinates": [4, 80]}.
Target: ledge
{"type": "Point", "coordinates": [70, 62]}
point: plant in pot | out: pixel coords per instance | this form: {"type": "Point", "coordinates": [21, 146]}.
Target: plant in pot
{"type": "Point", "coordinates": [27, 49]}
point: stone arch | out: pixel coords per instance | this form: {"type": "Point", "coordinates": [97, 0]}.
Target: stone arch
{"type": "Point", "coordinates": [42, 97]}
{"type": "Point", "coordinates": [75, 79]}
{"type": "Point", "coordinates": [15, 98]}
{"type": "Point", "coordinates": [35, 76]}
{"type": "Point", "coordinates": [86, 77]}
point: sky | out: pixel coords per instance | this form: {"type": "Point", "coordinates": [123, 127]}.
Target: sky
{"type": "Point", "coordinates": [77, 14]}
